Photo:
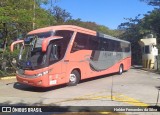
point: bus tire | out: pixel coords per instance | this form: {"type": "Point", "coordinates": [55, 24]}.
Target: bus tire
{"type": "Point", "coordinates": [74, 78]}
{"type": "Point", "coordinates": [120, 69]}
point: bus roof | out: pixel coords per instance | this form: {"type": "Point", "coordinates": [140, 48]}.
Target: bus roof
{"type": "Point", "coordinates": [75, 28]}
{"type": "Point", "coordinates": [111, 37]}
{"type": "Point", "coordinates": [63, 27]}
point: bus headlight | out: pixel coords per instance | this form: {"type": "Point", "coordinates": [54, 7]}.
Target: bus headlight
{"type": "Point", "coordinates": [41, 74]}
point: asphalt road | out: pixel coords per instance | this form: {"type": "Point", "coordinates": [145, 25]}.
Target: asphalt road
{"type": "Point", "coordinates": [135, 87]}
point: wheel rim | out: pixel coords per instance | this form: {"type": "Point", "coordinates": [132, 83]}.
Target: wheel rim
{"type": "Point", "coordinates": [72, 78]}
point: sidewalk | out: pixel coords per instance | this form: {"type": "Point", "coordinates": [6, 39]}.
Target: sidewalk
{"type": "Point", "coordinates": [7, 77]}
{"type": "Point", "coordinates": [145, 69]}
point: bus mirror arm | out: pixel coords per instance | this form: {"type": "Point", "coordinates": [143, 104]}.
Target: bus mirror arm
{"type": "Point", "coordinates": [14, 43]}
{"type": "Point", "coordinates": [46, 42]}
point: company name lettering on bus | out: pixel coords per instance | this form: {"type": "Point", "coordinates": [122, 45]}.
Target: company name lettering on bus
{"type": "Point", "coordinates": [118, 55]}
{"type": "Point", "coordinates": [111, 54]}
{"type": "Point", "coordinates": [107, 54]}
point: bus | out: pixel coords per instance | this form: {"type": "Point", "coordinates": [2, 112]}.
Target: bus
{"type": "Point", "coordinates": [66, 54]}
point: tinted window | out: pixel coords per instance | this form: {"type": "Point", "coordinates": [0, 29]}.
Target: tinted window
{"type": "Point", "coordinates": [61, 44]}
{"type": "Point", "coordinates": [111, 45]}
{"type": "Point", "coordinates": [93, 43]}
{"type": "Point", "coordinates": [104, 44]}
{"type": "Point", "coordinates": [89, 42]}
{"type": "Point", "coordinates": [117, 46]}
{"type": "Point", "coordinates": [36, 39]}
{"type": "Point", "coordinates": [65, 40]}
{"type": "Point", "coordinates": [146, 50]}
{"type": "Point", "coordinates": [80, 42]}
{"type": "Point", "coordinates": [39, 35]}
{"type": "Point", "coordinates": [125, 47]}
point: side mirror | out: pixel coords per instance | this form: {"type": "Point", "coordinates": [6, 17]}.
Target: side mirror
{"type": "Point", "coordinates": [46, 42]}
{"type": "Point", "coordinates": [15, 43]}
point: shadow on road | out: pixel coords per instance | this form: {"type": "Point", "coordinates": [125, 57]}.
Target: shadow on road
{"type": "Point", "coordinates": [98, 77]}
{"type": "Point", "coordinates": [24, 87]}
{"type": "Point", "coordinates": [137, 67]}
{"type": "Point", "coordinates": [158, 87]}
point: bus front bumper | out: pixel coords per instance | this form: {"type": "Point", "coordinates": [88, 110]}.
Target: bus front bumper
{"type": "Point", "coordinates": [38, 81]}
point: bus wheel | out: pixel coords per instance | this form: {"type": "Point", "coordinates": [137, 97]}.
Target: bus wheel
{"type": "Point", "coordinates": [74, 78]}
{"type": "Point", "coordinates": [120, 69]}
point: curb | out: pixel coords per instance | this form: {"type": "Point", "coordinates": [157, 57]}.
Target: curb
{"type": "Point", "coordinates": [6, 78]}
{"type": "Point", "coordinates": [153, 71]}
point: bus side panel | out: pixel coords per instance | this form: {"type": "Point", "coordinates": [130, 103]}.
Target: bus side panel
{"type": "Point", "coordinates": [83, 59]}
{"type": "Point", "coordinates": [127, 63]}
{"type": "Point", "coordinates": [79, 60]}
{"type": "Point", "coordinates": [57, 74]}
{"type": "Point", "coordinates": [115, 68]}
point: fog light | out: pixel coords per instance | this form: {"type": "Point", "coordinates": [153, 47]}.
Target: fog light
{"type": "Point", "coordinates": [39, 82]}
{"type": "Point", "coordinates": [25, 81]}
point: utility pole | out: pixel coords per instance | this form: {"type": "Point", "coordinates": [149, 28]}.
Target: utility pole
{"type": "Point", "coordinates": [34, 14]}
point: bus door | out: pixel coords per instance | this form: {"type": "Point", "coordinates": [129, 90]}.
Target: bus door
{"type": "Point", "coordinates": [55, 62]}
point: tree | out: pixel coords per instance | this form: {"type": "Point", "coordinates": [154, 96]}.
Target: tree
{"type": "Point", "coordinates": [133, 32]}
{"type": "Point", "coordinates": [17, 16]}
{"type": "Point", "coordinates": [16, 19]}
{"type": "Point", "coordinates": [61, 15]}
{"type": "Point", "coordinates": [136, 28]}
{"type": "Point", "coordinates": [94, 26]}
{"type": "Point", "coordinates": [152, 2]}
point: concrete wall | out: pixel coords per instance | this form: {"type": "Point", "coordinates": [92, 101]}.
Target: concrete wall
{"type": "Point", "coordinates": [149, 60]}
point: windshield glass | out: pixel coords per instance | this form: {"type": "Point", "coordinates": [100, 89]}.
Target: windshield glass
{"type": "Point", "coordinates": [31, 55]}
{"type": "Point", "coordinates": [37, 39]}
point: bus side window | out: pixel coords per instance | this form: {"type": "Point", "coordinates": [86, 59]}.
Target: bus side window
{"type": "Point", "coordinates": [117, 46]}
{"type": "Point", "coordinates": [80, 42]}
{"type": "Point", "coordinates": [102, 44]}
{"type": "Point", "coordinates": [111, 45]}
{"type": "Point", "coordinates": [127, 49]}
{"type": "Point", "coordinates": [64, 41]}
{"type": "Point", "coordinates": [105, 44]}
{"type": "Point", "coordinates": [93, 43]}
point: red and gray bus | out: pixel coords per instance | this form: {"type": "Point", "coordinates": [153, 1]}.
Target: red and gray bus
{"type": "Point", "coordinates": [66, 54]}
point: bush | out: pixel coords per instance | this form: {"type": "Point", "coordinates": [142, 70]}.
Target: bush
{"type": "Point", "coordinates": [6, 68]}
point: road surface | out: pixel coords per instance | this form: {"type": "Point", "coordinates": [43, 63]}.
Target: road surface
{"type": "Point", "coordinates": [135, 87]}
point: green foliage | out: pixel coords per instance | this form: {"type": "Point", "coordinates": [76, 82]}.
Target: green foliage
{"type": "Point", "coordinates": [152, 2]}
{"type": "Point", "coordinates": [18, 17]}
{"type": "Point", "coordinates": [151, 22]}
{"type": "Point", "coordinates": [135, 29]}
{"type": "Point", "coordinates": [94, 26]}
{"type": "Point", "coordinates": [60, 15]}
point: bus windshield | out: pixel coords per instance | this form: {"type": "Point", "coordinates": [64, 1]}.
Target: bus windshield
{"type": "Point", "coordinates": [31, 55]}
